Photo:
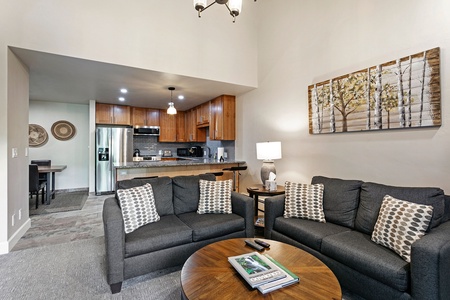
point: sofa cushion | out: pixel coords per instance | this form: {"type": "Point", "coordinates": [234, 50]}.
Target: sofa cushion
{"type": "Point", "coordinates": [215, 197]}
{"type": "Point", "coordinates": [186, 192]}
{"type": "Point", "coordinates": [137, 206]}
{"type": "Point", "coordinates": [372, 195]}
{"type": "Point", "coordinates": [307, 232]}
{"type": "Point", "coordinates": [340, 199]}
{"type": "Point", "coordinates": [207, 226]}
{"type": "Point", "coordinates": [168, 232]}
{"type": "Point", "coordinates": [400, 223]}
{"type": "Point", "coordinates": [162, 190]}
{"type": "Point", "coordinates": [304, 201]}
{"type": "Point", "coordinates": [355, 250]}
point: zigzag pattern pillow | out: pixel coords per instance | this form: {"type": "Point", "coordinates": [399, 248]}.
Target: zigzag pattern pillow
{"type": "Point", "coordinates": [215, 197]}
{"type": "Point", "coordinates": [137, 206]}
{"type": "Point", "coordinates": [304, 201]}
{"type": "Point", "coordinates": [400, 223]}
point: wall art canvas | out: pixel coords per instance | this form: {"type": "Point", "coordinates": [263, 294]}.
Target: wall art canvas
{"type": "Point", "coordinates": [403, 93]}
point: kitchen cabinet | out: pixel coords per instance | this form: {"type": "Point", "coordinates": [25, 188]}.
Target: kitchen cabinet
{"type": "Point", "coordinates": [203, 114]}
{"type": "Point", "coordinates": [193, 133]}
{"type": "Point", "coordinates": [181, 126]}
{"type": "Point", "coordinates": [222, 125]}
{"type": "Point", "coordinates": [168, 124]}
{"type": "Point", "coordinates": [112, 114]}
{"type": "Point", "coordinates": [172, 127]}
{"type": "Point", "coordinates": [141, 116]}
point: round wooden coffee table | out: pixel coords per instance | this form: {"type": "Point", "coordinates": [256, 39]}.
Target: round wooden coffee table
{"type": "Point", "coordinates": [207, 274]}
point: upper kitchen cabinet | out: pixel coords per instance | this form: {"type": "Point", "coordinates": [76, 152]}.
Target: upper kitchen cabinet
{"type": "Point", "coordinates": [112, 114]}
{"type": "Point", "coordinates": [172, 127]}
{"type": "Point", "coordinates": [168, 124]}
{"type": "Point", "coordinates": [181, 126]}
{"type": "Point", "coordinates": [203, 114]}
{"type": "Point", "coordinates": [141, 116]}
{"type": "Point", "coordinates": [222, 125]}
{"type": "Point", "coordinates": [193, 133]}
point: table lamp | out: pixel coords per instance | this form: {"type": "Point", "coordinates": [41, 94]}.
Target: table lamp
{"type": "Point", "coordinates": [268, 151]}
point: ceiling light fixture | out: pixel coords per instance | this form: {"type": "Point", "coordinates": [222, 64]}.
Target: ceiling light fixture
{"type": "Point", "coordinates": [123, 91]}
{"type": "Point", "coordinates": [121, 99]}
{"type": "Point", "coordinates": [171, 110]}
{"type": "Point", "coordinates": [233, 6]}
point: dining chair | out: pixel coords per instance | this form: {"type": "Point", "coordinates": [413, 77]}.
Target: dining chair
{"type": "Point", "coordinates": [42, 162]}
{"type": "Point", "coordinates": [35, 184]}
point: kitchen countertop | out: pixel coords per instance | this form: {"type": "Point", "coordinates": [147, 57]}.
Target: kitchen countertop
{"type": "Point", "coordinates": [183, 161]}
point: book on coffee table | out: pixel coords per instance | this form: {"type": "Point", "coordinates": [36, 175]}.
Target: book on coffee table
{"type": "Point", "coordinates": [290, 278]}
{"type": "Point", "coordinates": [256, 269]}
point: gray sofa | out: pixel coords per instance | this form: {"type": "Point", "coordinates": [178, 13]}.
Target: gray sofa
{"type": "Point", "coordinates": [178, 234]}
{"type": "Point", "coordinates": [344, 243]}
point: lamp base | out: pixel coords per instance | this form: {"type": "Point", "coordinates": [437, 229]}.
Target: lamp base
{"type": "Point", "coordinates": [267, 167]}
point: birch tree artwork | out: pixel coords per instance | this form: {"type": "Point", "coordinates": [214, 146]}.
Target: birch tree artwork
{"type": "Point", "coordinates": [402, 93]}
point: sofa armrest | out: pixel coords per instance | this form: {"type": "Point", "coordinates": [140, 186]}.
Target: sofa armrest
{"type": "Point", "coordinates": [114, 240]}
{"type": "Point", "coordinates": [242, 205]}
{"type": "Point", "coordinates": [430, 264]}
{"type": "Point", "coordinates": [273, 208]}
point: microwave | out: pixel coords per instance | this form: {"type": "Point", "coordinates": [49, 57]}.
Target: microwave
{"type": "Point", "coordinates": [146, 130]}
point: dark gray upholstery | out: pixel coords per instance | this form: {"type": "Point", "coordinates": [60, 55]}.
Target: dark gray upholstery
{"type": "Point", "coordinates": [208, 226]}
{"type": "Point", "coordinates": [307, 230]}
{"type": "Point", "coordinates": [372, 195]}
{"type": "Point", "coordinates": [185, 198]}
{"type": "Point", "coordinates": [168, 232]}
{"type": "Point", "coordinates": [162, 191]}
{"type": "Point", "coordinates": [355, 250]}
{"type": "Point", "coordinates": [170, 241]}
{"type": "Point", "coordinates": [362, 266]}
{"type": "Point", "coordinates": [340, 199]}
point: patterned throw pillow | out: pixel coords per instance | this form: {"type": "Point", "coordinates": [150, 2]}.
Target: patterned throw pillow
{"type": "Point", "coordinates": [304, 201]}
{"type": "Point", "coordinates": [215, 197]}
{"type": "Point", "coordinates": [400, 223]}
{"type": "Point", "coordinates": [138, 207]}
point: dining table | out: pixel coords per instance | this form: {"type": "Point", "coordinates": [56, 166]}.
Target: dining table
{"type": "Point", "coordinates": [50, 172]}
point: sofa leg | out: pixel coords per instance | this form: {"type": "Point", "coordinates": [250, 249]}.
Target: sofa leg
{"type": "Point", "coordinates": [116, 287]}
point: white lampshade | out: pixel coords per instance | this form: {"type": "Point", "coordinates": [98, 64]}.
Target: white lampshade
{"type": "Point", "coordinates": [171, 110]}
{"type": "Point", "coordinates": [268, 150]}
{"type": "Point", "coordinates": [200, 4]}
{"type": "Point", "coordinates": [235, 6]}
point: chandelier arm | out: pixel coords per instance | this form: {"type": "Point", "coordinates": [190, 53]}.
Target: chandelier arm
{"type": "Point", "coordinates": [208, 6]}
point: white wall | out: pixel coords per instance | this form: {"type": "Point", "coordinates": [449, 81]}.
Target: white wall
{"type": "Point", "coordinates": [305, 42]}
{"type": "Point", "coordinates": [75, 152]}
{"type": "Point", "coordinates": [163, 36]}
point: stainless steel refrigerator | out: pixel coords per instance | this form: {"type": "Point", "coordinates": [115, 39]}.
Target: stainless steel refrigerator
{"type": "Point", "coordinates": [114, 146]}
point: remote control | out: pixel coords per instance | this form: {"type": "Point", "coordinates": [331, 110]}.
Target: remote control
{"type": "Point", "coordinates": [262, 243]}
{"type": "Point", "coordinates": [253, 245]}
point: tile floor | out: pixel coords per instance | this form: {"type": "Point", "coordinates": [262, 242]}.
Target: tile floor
{"type": "Point", "coordinates": [63, 227]}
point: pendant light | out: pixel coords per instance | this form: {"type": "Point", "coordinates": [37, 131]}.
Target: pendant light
{"type": "Point", "coordinates": [233, 6]}
{"type": "Point", "coordinates": [171, 110]}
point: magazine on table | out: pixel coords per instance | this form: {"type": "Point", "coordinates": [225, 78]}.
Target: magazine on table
{"type": "Point", "coordinates": [290, 278]}
{"type": "Point", "coordinates": [256, 269]}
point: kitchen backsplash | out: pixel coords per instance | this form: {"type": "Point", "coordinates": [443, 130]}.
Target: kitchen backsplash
{"type": "Point", "coordinates": [149, 145]}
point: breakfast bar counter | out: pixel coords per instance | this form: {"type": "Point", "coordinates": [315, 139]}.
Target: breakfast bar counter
{"type": "Point", "coordinates": [176, 167]}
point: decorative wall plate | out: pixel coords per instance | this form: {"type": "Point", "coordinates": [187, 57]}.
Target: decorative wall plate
{"type": "Point", "coordinates": [63, 130]}
{"type": "Point", "coordinates": [37, 136]}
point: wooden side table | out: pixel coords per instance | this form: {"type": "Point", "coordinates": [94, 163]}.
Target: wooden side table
{"type": "Point", "coordinates": [257, 190]}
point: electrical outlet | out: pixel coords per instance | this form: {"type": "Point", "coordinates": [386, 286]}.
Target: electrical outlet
{"type": "Point", "coordinates": [12, 219]}
{"type": "Point", "coordinates": [14, 153]}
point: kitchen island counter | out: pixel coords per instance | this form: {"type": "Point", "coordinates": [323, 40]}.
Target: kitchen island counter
{"type": "Point", "coordinates": [171, 168]}
{"type": "Point", "coordinates": [178, 161]}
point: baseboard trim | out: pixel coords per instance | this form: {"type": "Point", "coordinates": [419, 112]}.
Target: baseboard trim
{"type": "Point", "coordinates": [6, 247]}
